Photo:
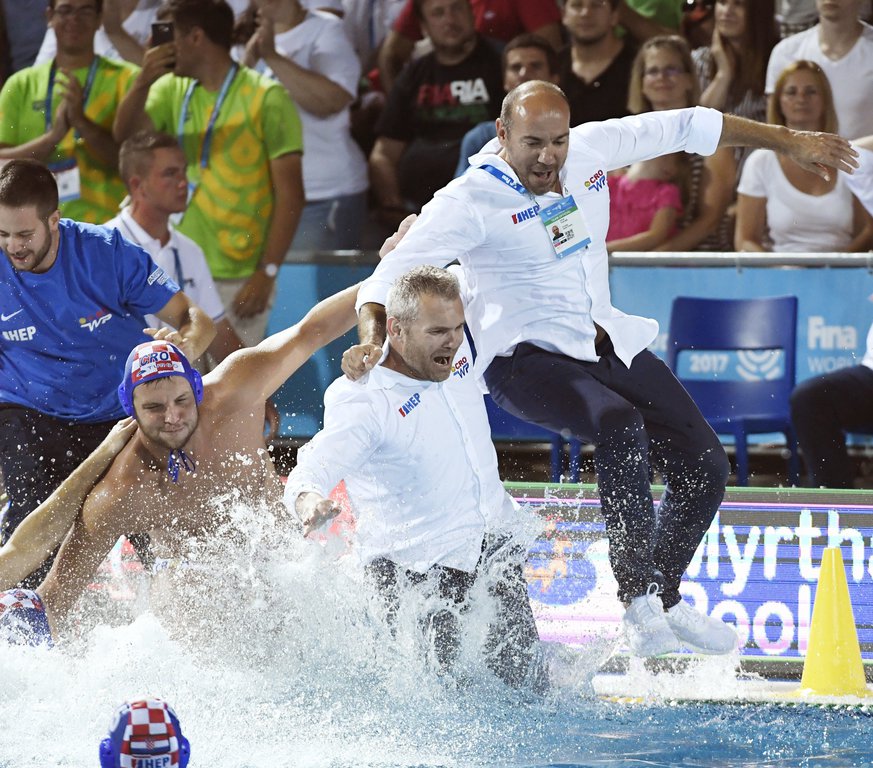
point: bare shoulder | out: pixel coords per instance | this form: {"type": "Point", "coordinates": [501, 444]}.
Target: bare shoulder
{"type": "Point", "coordinates": [116, 499]}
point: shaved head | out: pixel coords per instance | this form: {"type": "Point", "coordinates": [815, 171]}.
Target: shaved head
{"type": "Point", "coordinates": [534, 95]}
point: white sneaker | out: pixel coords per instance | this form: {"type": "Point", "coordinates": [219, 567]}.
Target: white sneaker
{"type": "Point", "coordinates": [646, 628]}
{"type": "Point", "coordinates": [700, 632]}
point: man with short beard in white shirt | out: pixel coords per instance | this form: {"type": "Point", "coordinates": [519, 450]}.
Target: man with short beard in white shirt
{"type": "Point", "coordinates": [413, 444]}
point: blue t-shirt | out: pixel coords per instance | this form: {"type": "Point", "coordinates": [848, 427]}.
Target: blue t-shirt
{"type": "Point", "coordinates": [66, 334]}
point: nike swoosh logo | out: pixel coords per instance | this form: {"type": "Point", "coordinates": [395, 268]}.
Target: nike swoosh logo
{"type": "Point", "coordinates": [4, 318]}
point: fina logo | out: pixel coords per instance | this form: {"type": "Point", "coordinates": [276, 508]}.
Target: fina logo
{"type": "Point", "coordinates": [763, 365]}
{"type": "Point", "coordinates": [93, 322]}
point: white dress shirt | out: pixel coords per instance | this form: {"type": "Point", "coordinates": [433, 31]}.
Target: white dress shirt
{"type": "Point", "coordinates": [519, 290]}
{"type": "Point", "coordinates": [419, 467]}
{"type": "Point", "coordinates": [191, 272]}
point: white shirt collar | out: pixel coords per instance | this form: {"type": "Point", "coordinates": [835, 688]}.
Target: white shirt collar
{"type": "Point", "coordinates": [143, 238]}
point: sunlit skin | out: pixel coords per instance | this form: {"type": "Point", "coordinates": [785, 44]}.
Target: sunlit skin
{"type": "Point", "coordinates": [166, 413]}
{"type": "Point", "coordinates": [425, 348]}
{"type": "Point", "coordinates": [524, 65]}
{"type": "Point", "coordinates": [665, 91]}
{"type": "Point", "coordinates": [801, 101]}
{"type": "Point", "coordinates": [536, 141]}
{"type": "Point", "coordinates": [29, 242]}
{"type": "Point", "coordinates": [730, 19]}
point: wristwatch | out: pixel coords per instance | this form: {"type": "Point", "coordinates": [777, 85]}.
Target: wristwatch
{"type": "Point", "coordinates": [271, 270]}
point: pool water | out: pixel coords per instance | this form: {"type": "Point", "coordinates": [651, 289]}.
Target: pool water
{"type": "Point", "coordinates": [282, 662]}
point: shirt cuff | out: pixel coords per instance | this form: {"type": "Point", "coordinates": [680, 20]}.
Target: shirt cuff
{"type": "Point", "coordinates": [705, 131]}
{"type": "Point", "coordinates": [372, 291]}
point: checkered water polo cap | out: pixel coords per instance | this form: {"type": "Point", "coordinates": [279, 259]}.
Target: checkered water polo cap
{"type": "Point", "coordinates": [23, 620]}
{"type": "Point", "coordinates": [145, 734]}
{"type": "Point", "coordinates": [155, 360]}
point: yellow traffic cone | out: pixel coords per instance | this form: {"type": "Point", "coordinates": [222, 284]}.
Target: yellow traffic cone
{"type": "Point", "coordinates": [833, 664]}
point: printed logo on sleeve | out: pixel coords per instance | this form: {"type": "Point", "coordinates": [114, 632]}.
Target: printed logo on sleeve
{"type": "Point", "coordinates": [596, 182]}
{"type": "Point", "coordinates": [461, 368]}
{"type": "Point", "coordinates": [158, 276]}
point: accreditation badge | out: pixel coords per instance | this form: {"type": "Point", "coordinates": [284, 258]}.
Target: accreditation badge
{"type": "Point", "coordinates": [66, 173]}
{"type": "Point", "coordinates": [566, 226]}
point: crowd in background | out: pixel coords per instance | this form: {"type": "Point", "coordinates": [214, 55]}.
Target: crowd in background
{"type": "Point", "coordinates": [387, 90]}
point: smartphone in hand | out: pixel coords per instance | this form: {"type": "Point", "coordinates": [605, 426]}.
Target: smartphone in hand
{"type": "Point", "coordinates": [162, 32]}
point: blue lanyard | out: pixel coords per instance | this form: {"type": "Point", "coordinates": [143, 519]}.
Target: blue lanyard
{"type": "Point", "coordinates": [180, 275]}
{"type": "Point", "coordinates": [505, 179]}
{"type": "Point", "coordinates": [89, 84]}
{"type": "Point", "coordinates": [210, 128]}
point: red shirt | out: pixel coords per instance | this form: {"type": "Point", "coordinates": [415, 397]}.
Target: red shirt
{"type": "Point", "coordinates": [500, 19]}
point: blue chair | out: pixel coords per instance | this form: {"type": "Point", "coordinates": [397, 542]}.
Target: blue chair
{"type": "Point", "coordinates": [507, 428]}
{"type": "Point", "coordinates": [739, 366]}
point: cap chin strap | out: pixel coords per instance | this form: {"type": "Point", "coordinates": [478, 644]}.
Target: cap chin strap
{"type": "Point", "coordinates": [177, 459]}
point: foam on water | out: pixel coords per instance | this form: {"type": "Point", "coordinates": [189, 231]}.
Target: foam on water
{"type": "Point", "coordinates": [282, 660]}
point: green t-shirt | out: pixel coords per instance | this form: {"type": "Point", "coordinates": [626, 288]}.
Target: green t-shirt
{"type": "Point", "coordinates": [668, 13]}
{"type": "Point", "coordinates": [230, 212]}
{"type": "Point", "coordinates": [22, 118]}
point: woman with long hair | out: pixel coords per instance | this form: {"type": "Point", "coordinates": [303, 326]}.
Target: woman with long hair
{"type": "Point", "coordinates": [663, 77]}
{"type": "Point", "coordinates": [783, 207]}
{"type": "Point", "coordinates": [732, 69]}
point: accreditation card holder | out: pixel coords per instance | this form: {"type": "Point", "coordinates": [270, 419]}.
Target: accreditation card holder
{"type": "Point", "coordinates": [566, 226]}
{"type": "Point", "coordinates": [66, 173]}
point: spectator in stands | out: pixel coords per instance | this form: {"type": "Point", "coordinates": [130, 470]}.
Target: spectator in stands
{"type": "Point", "coordinates": [61, 112]}
{"type": "Point", "coordinates": [795, 16]}
{"type": "Point", "coordinates": [663, 78]}
{"type": "Point", "coordinates": [24, 25]}
{"type": "Point", "coordinates": [435, 101]}
{"type": "Point", "coordinates": [153, 167]}
{"type": "Point", "coordinates": [645, 203]}
{"type": "Point", "coordinates": [122, 35]}
{"type": "Point", "coordinates": [595, 68]}
{"type": "Point", "coordinates": [236, 125]}
{"type": "Point", "coordinates": [783, 207]}
{"type": "Point", "coordinates": [368, 23]}
{"type": "Point", "coordinates": [732, 68]}
{"type": "Point", "coordinates": [309, 53]}
{"type": "Point", "coordinates": [824, 408]}
{"type": "Point", "coordinates": [842, 45]}
{"type": "Point", "coordinates": [497, 20]}
{"type": "Point", "coordinates": [74, 300]}
{"type": "Point", "coordinates": [526, 57]}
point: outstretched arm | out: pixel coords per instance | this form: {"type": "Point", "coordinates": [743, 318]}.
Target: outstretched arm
{"type": "Point", "coordinates": [252, 375]}
{"type": "Point", "coordinates": [44, 528]}
{"type": "Point", "coordinates": [820, 153]}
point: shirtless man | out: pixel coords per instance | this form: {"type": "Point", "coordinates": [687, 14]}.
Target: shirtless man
{"type": "Point", "coordinates": [196, 441]}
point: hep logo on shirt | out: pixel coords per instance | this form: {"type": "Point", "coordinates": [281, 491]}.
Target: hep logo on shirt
{"type": "Point", "coordinates": [413, 402]}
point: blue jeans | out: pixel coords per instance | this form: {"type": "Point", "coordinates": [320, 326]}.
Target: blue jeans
{"type": "Point", "coordinates": [637, 418]}
{"type": "Point", "coordinates": [331, 225]}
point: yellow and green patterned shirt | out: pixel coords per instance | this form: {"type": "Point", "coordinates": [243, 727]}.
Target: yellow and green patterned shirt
{"type": "Point", "coordinates": [22, 119]}
{"type": "Point", "coordinates": [232, 205]}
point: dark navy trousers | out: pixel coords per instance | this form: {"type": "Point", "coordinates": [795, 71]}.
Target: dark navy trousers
{"type": "Point", "coordinates": [638, 418]}
{"type": "Point", "coordinates": [823, 409]}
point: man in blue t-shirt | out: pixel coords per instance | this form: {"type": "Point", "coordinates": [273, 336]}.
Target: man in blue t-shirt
{"type": "Point", "coordinates": [73, 300]}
